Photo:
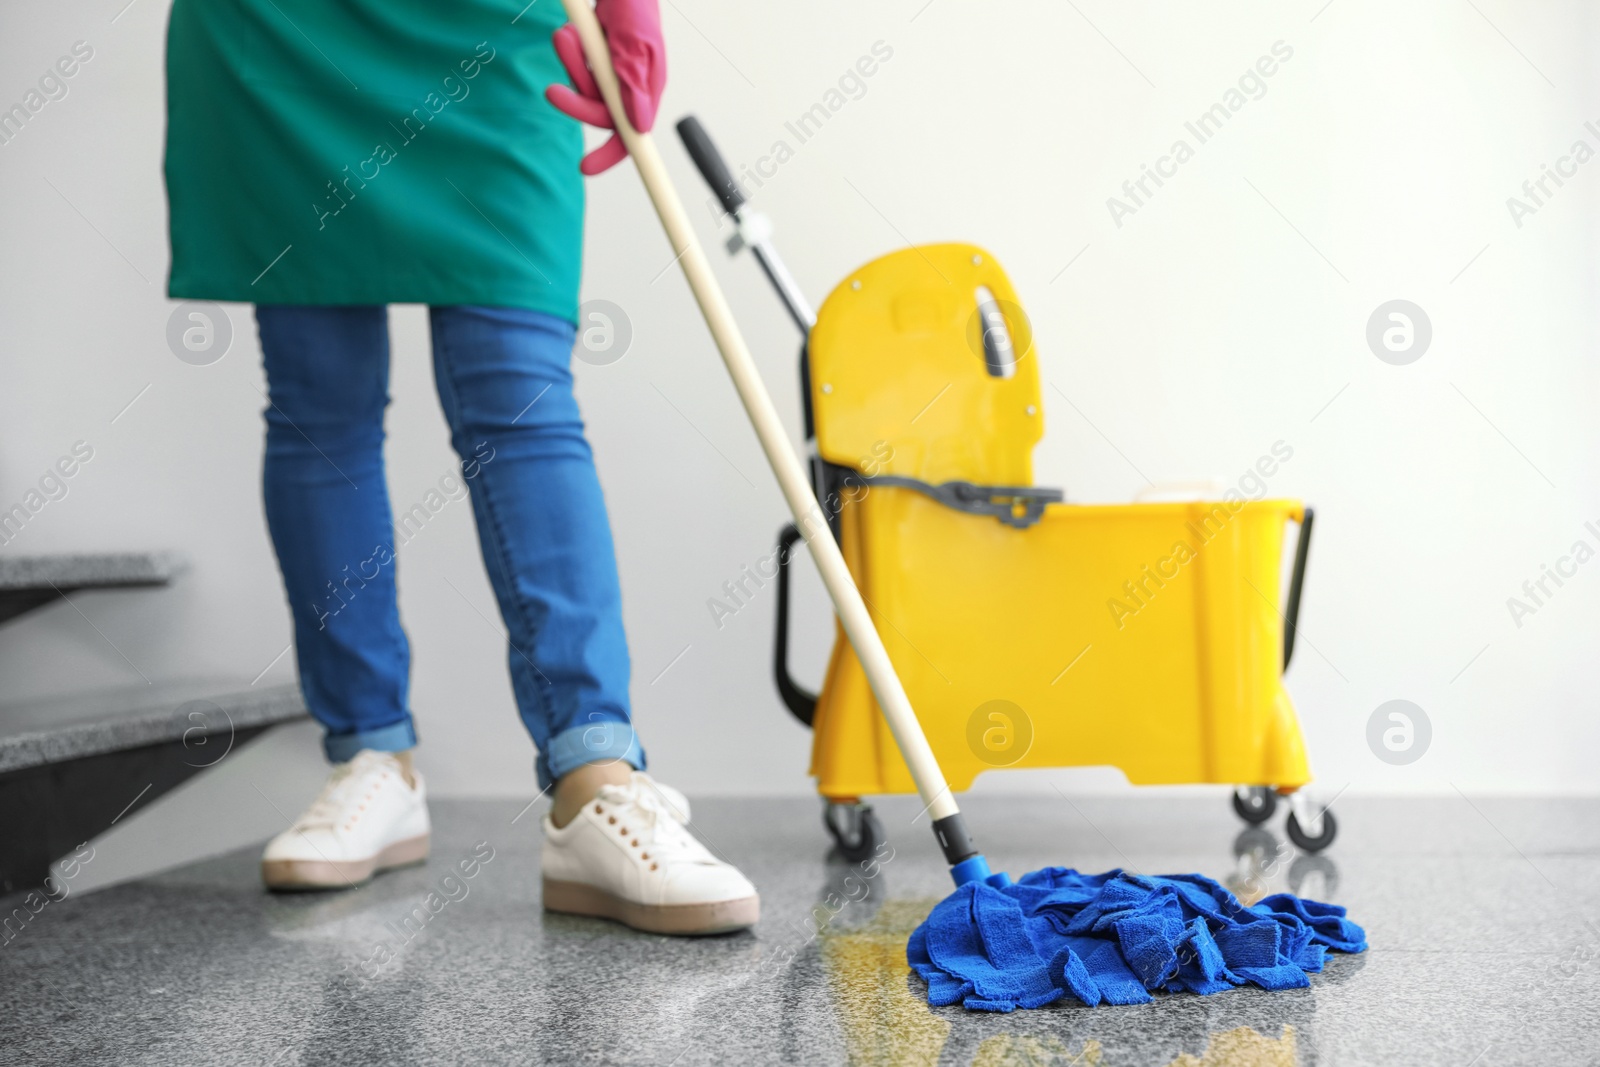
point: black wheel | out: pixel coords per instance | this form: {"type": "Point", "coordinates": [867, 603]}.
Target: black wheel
{"type": "Point", "coordinates": [1304, 841]}
{"type": "Point", "coordinates": [855, 830]}
{"type": "Point", "coordinates": [1256, 805]}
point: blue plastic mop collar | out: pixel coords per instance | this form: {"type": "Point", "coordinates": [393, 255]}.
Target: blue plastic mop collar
{"type": "Point", "coordinates": [976, 869]}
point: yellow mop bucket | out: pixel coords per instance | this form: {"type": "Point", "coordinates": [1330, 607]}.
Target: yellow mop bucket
{"type": "Point", "coordinates": [1028, 633]}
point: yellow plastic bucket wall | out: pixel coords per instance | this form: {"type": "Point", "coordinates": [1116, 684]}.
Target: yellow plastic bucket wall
{"type": "Point", "coordinates": [1145, 637]}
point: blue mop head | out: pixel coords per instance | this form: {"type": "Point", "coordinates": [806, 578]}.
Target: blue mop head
{"type": "Point", "coordinates": [1116, 937]}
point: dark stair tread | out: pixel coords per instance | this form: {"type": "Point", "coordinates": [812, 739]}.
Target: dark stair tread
{"type": "Point", "coordinates": [60, 729]}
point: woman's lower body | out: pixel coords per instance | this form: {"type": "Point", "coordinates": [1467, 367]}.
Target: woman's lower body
{"type": "Point", "coordinates": [505, 384]}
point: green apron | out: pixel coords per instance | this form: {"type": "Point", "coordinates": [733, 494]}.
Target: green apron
{"type": "Point", "coordinates": [370, 152]}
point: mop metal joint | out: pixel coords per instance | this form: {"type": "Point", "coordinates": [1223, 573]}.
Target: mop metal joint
{"type": "Point", "coordinates": [966, 862]}
{"type": "Point", "coordinates": [953, 839]}
{"type": "Point", "coordinates": [751, 229]}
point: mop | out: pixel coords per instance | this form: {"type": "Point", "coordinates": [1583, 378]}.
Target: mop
{"type": "Point", "coordinates": [993, 944]}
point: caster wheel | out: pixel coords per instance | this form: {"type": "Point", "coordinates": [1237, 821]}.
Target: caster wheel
{"type": "Point", "coordinates": [1304, 841]}
{"type": "Point", "coordinates": [855, 830]}
{"type": "Point", "coordinates": [1255, 804]}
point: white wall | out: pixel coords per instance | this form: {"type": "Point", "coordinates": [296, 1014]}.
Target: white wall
{"type": "Point", "coordinates": [1224, 315]}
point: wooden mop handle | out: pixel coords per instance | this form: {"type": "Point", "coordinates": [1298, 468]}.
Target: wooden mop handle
{"type": "Point", "coordinates": [808, 515]}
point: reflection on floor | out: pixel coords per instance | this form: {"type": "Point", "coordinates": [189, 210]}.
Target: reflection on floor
{"type": "Point", "coordinates": [1484, 918]}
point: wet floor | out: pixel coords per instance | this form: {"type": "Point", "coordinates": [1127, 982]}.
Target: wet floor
{"type": "Point", "coordinates": [1483, 915]}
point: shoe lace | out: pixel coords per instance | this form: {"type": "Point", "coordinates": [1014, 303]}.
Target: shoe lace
{"type": "Point", "coordinates": [643, 815]}
{"type": "Point", "coordinates": [650, 785]}
{"type": "Point", "coordinates": [331, 804]}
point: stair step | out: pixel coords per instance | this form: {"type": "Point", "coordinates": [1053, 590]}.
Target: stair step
{"type": "Point", "coordinates": [28, 582]}
{"type": "Point", "coordinates": [69, 765]}
{"type": "Point", "coordinates": [192, 712]}
{"type": "Point", "coordinates": [84, 569]}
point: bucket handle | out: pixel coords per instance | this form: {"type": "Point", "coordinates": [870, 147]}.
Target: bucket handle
{"type": "Point", "coordinates": [1297, 581]}
{"type": "Point", "coordinates": [801, 702]}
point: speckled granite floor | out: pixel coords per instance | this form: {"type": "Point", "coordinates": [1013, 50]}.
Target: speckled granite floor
{"type": "Point", "coordinates": [1484, 916]}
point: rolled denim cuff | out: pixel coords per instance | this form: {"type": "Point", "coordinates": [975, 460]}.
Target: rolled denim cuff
{"type": "Point", "coordinates": [594, 742]}
{"type": "Point", "coordinates": [342, 748]}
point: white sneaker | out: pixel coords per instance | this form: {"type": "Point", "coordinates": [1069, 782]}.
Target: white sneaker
{"type": "Point", "coordinates": [366, 820]}
{"type": "Point", "coordinates": [628, 856]}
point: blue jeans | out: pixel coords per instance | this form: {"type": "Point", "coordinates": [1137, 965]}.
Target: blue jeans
{"type": "Point", "coordinates": [505, 382]}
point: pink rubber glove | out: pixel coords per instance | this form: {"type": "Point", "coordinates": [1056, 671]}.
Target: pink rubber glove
{"type": "Point", "coordinates": [633, 32]}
